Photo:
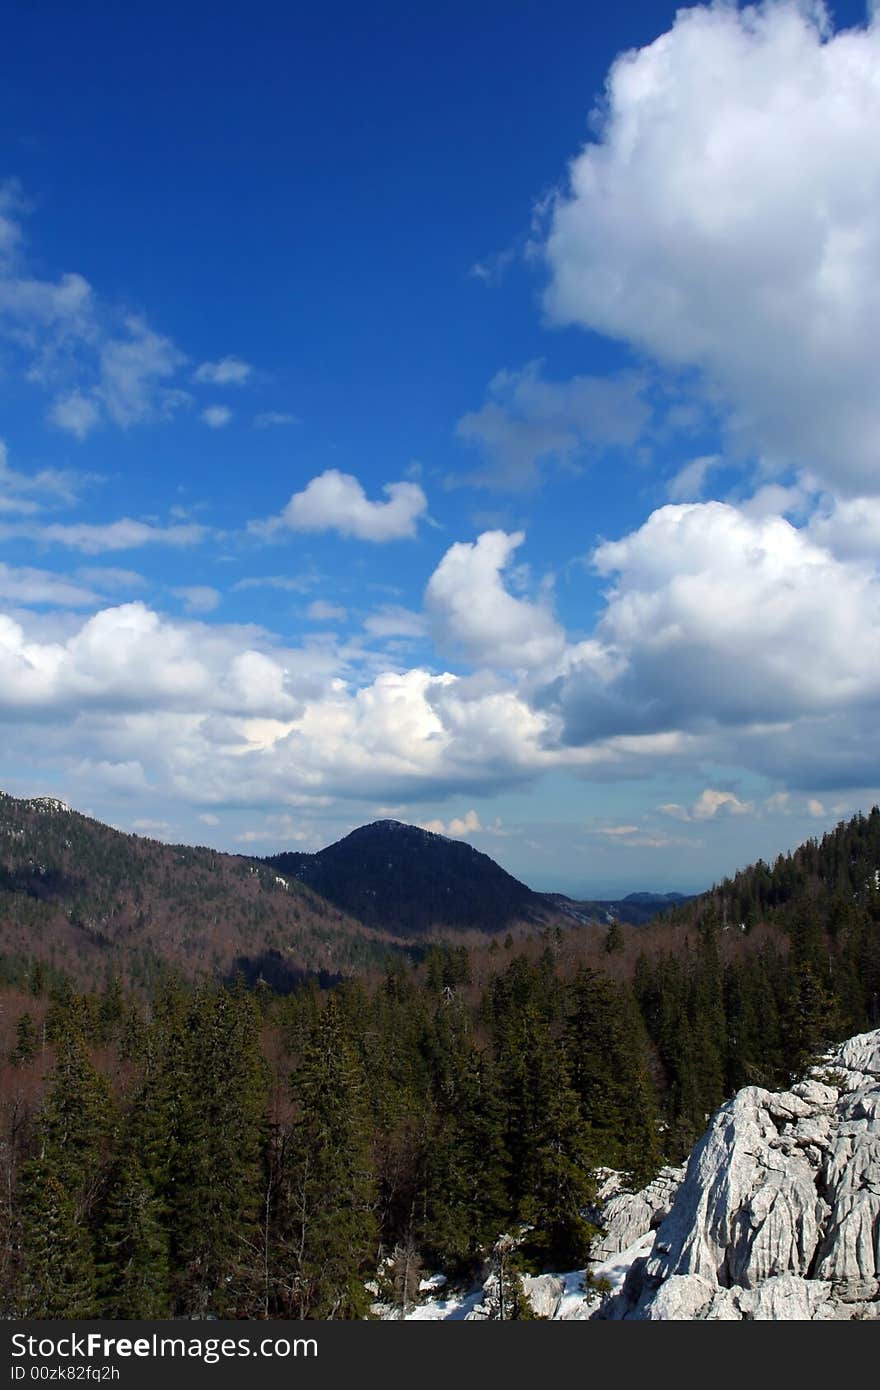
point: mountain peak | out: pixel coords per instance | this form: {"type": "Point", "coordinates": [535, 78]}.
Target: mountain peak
{"type": "Point", "coordinates": [412, 882]}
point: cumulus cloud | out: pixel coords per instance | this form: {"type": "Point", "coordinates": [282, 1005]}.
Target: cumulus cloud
{"type": "Point", "coordinates": [527, 422]}
{"type": "Point", "coordinates": [849, 528]}
{"type": "Point", "coordinates": [335, 501]}
{"type": "Point", "coordinates": [457, 827]}
{"type": "Point", "coordinates": [129, 657]}
{"type": "Point", "coordinates": [725, 218]}
{"type": "Point", "coordinates": [216, 416]}
{"type": "Point", "coordinates": [229, 371]}
{"type": "Point", "coordinates": [471, 613]}
{"type": "Point", "coordinates": [707, 806]}
{"type": "Point", "coordinates": [717, 619]}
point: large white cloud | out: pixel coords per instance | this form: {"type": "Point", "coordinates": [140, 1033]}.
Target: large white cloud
{"type": "Point", "coordinates": [718, 619]}
{"type": "Point", "coordinates": [474, 615]}
{"type": "Point", "coordinates": [727, 217]}
{"type": "Point", "coordinates": [128, 657]}
{"type": "Point", "coordinates": [335, 501]}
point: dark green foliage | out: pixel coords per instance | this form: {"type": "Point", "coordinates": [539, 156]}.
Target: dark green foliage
{"type": "Point", "coordinates": [26, 1042]}
{"type": "Point", "coordinates": [411, 882]}
{"type": "Point", "coordinates": [58, 1278]}
{"type": "Point", "coordinates": [133, 1254]}
{"type": "Point", "coordinates": [327, 1241]}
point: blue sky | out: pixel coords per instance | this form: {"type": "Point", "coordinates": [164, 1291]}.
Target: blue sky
{"type": "Point", "coordinates": [465, 417]}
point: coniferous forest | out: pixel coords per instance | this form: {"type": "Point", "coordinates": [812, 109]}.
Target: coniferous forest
{"type": "Point", "coordinates": [195, 1148]}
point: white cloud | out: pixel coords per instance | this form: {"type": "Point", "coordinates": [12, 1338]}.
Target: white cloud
{"type": "Point", "coordinates": [109, 580]}
{"type": "Point", "coordinates": [472, 613]}
{"type": "Point", "coordinates": [708, 805]}
{"type": "Point", "coordinates": [216, 416]}
{"type": "Point", "coordinates": [335, 501]}
{"type": "Point", "coordinates": [75, 413]}
{"type": "Point", "coordinates": [129, 658]}
{"type": "Point", "coordinates": [94, 539]}
{"type": "Point", "coordinates": [321, 611]}
{"type": "Point", "coordinates": [229, 371]}
{"type": "Point", "coordinates": [34, 586]}
{"type": "Point", "coordinates": [198, 598]}
{"type": "Point", "coordinates": [288, 583]}
{"type": "Point", "coordinates": [527, 422]}
{"type": "Point", "coordinates": [690, 481]}
{"type": "Point", "coordinates": [815, 807]}
{"type": "Point", "coordinates": [134, 368]}
{"type": "Point", "coordinates": [710, 802]}
{"type": "Point", "coordinates": [29, 492]}
{"type": "Point", "coordinates": [99, 363]}
{"type": "Point", "coordinates": [392, 620]}
{"type": "Point", "coordinates": [456, 828]}
{"type": "Point", "coordinates": [849, 528]}
{"type": "Point", "coordinates": [715, 619]}
{"type": "Point", "coordinates": [725, 218]}
{"type": "Point", "coordinates": [617, 831]}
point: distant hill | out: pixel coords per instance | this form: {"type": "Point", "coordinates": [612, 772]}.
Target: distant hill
{"type": "Point", "coordinates": [635, 908]}
{"type": "Point", "coordinates": [412, 882]}
{"type": "Point", "coordinates": [95, 901]}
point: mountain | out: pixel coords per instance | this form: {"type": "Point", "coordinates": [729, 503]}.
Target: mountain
{"type": "Point", "coordinates": [92, 900]}
{"type": "Point", "coordinates": [777, 1216]}
{"type": "Point", "coordinates": [412, 882]}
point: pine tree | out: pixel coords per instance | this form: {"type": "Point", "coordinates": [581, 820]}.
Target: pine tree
{"type": "Point", "coordinates": [25, 1041]}
{"type": "Point", "coordinates": [327, 1236]}
{"type": "Point", "coordinates": [133, 1269]}
{"type": "Point", "coordinates": [58, 1279]}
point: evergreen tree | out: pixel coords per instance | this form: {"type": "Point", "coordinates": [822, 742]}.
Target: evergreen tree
{"type": "Point", "coordinates": [25, 1041]}
{"type": "Point", "coordinates": [58, 1278]}
{"type": "Point", "coordinates": [133, 1268]}
{"type": "Point", "coordinates": [327, 1236]}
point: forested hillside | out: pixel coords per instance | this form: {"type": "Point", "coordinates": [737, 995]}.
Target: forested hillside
{"type": "Point", "coordinates": [94, 902]}
{"type": "Point", "coordinates": [241, 1152]}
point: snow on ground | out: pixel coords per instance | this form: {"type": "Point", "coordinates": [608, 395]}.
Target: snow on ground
{"type": "Point", "coordinates": [454, 1305]}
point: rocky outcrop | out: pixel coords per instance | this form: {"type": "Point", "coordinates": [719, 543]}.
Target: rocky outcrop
{"type": "Point", "coordinates": [779, 1213]}
{"type": "Point", "coordinates": [625, 1216]}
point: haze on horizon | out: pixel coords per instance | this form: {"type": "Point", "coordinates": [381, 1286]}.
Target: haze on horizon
{"type": "Point", "coordinates": [467, 419]}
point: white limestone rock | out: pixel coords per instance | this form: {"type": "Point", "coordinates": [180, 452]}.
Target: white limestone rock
{"type": "Point", "coordinates": [625, 1216]}
{"type": "Point", "coordinates": [544, 1292]}
{"type": "Point", "coordinates": [778, 1216]}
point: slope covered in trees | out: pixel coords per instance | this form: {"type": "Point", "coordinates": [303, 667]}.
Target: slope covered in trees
{"type": "Point", "coordinates": [89, 899]}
